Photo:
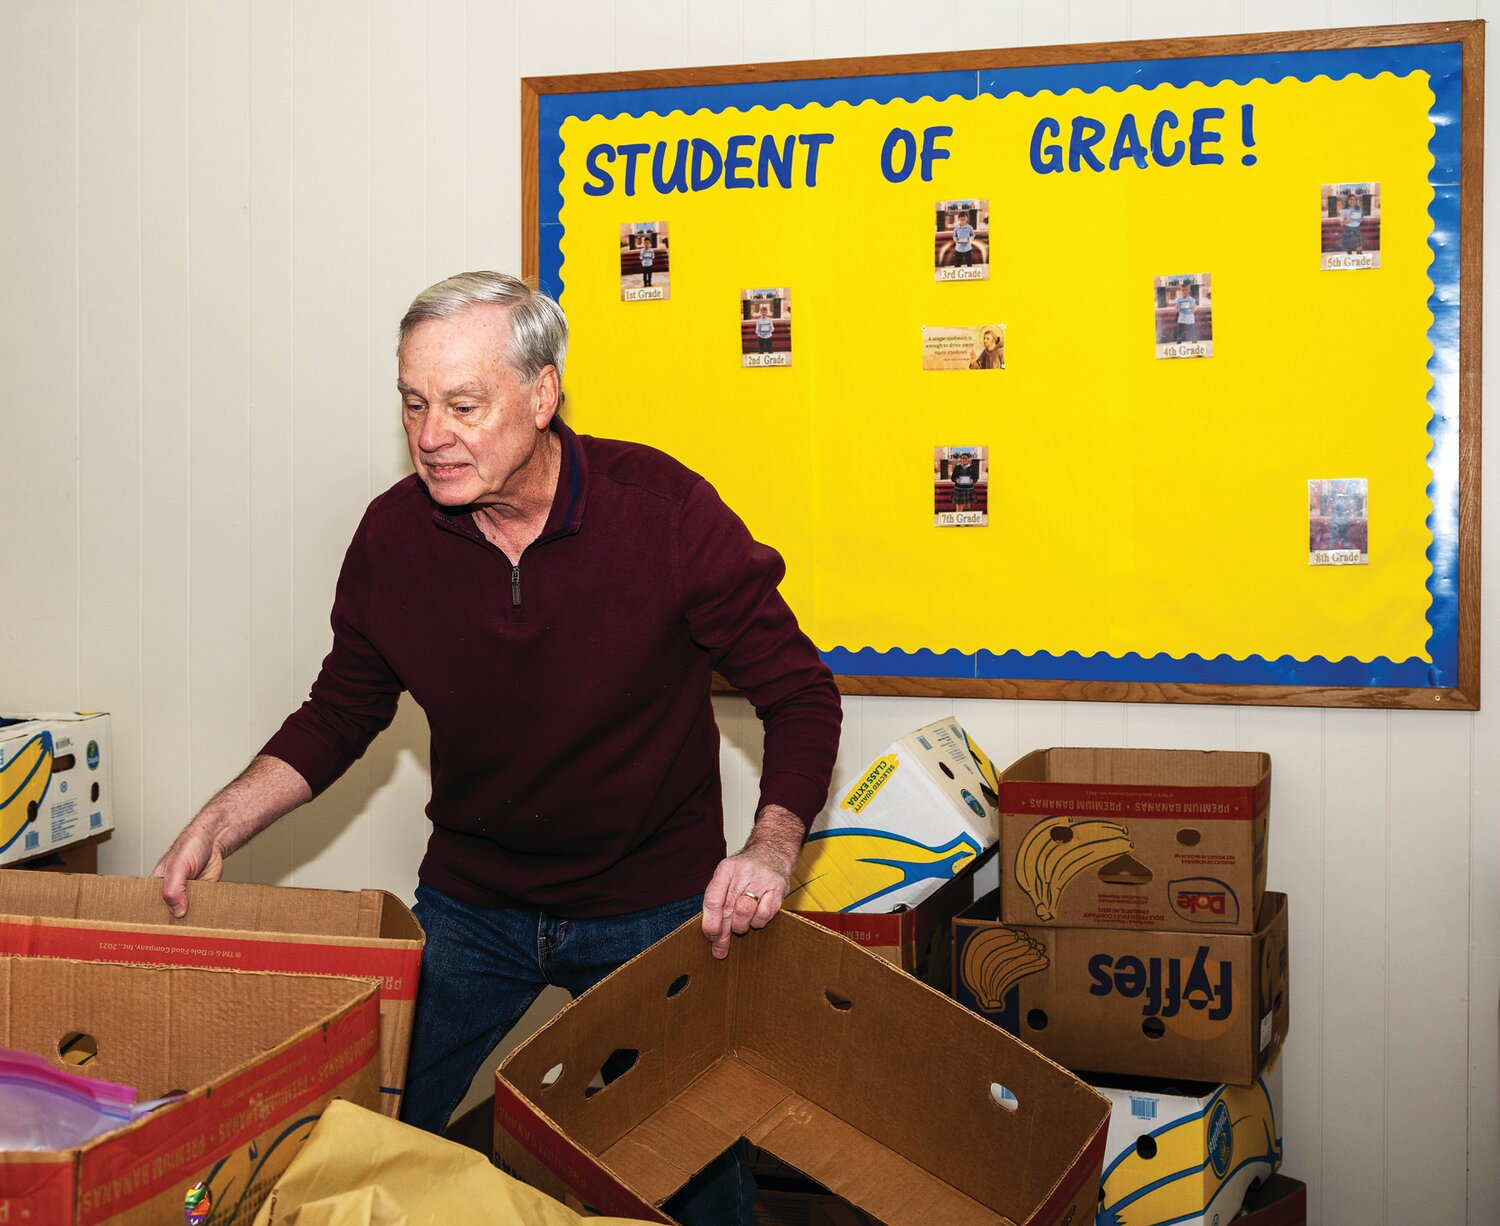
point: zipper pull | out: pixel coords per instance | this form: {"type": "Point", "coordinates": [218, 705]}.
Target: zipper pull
{"type": "Point", "coordinates": [515, 585]}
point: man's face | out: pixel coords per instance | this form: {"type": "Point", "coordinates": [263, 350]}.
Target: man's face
{"type": "Point", "coordinates": [990, 339]}
{"type": "Point", "coordinates": [473, 426]}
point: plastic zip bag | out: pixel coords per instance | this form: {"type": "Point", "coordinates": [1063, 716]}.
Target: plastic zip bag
{"type": "Point", "coordinates": [44, 1107]}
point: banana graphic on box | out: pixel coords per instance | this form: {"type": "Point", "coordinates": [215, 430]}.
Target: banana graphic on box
{"type": "Point", "coordinates": [995, 960]}
{"type": "Point", "coordinates": [1057, 849]}
{"type": "Point", "coordinates": [848, 867]}
{"type": "Point", "coordinates": [1191, 1161]}
{"type": "Point", "coordinates": [23, 784]}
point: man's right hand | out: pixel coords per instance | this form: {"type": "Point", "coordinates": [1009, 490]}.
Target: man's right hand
{"type": "Point", "coordinates": [267, 789]}
{"type": "Point", "coordinates": [192, 857]}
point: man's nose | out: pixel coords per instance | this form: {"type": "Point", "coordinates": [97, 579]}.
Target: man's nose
{"type": "Point", "coordinates": [435, 432]}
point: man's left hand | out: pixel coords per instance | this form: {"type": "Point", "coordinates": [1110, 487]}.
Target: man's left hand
{"type": "Point", "coordinates": [747, 889]}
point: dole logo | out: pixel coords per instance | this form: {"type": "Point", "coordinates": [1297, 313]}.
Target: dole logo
{"type": "Point", "coordinates": [1164, 986]}
{"type": "Point", "coordinates": [1203, 900]}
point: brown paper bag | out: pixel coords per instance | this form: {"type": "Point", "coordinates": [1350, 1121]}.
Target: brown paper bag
{"type": "Point", "coordinates": [359, 1168]}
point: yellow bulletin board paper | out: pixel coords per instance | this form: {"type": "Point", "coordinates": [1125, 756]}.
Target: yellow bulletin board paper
{"type": "Point", "coordinates": [1148, 519]}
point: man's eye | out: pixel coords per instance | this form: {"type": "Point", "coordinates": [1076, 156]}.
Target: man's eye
{"type": "Point", "coordinates": [414, 406]}
{"type": "Point", "coordinates": [464, 408]}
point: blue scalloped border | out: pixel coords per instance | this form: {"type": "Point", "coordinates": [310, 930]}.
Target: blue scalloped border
{"type": "Point", "coordinates": [1443, 64]}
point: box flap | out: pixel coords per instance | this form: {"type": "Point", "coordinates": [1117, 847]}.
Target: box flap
{"type": "Point", "coordinates": [868, 1017]}
{"type": "Point", "coordinates": [211, 904]}
{"type": "Point", "coordinates": [1143, 767]}
{"type": "Point", "coordinates": [161, 1029]}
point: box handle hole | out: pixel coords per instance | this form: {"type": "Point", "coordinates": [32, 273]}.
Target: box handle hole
{"type": "Point", "coordinates": [1037, 1019]}
{"type": "Point", "coordinates": [78, 1048]}
{"type": "Point", "coordinates": [1189, 837]}
{"type": "Point", "coordinates": [1003, 1096]}
{"type": "Point", "coordinates": [1061, 834]}
{"type": "Point", "coordinates": [550, 1077]}
{"type": "Point", "coordinates": [946, 769]}
{"type": "Point", "coordinates": [1145, 1146]}
{"type": "Point", "coordinates": [616, 1065]}
{"type": "Point", "coordinates": [1153, 1028]}
{"type": "Point", "coordinates": [677, 985]}
{"type": "Point", "coordinates": [842, 1003]}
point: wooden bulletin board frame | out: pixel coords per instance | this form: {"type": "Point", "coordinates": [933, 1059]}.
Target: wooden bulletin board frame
{"type": "Point", "coordinates": [1452, 52]}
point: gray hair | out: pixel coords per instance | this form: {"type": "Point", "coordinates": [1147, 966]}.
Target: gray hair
{"type": "Point", "coordinates": [538, 327]}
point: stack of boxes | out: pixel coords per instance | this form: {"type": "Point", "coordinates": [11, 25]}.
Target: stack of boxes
{"type": "Point", "coordinates": [1132, 938]}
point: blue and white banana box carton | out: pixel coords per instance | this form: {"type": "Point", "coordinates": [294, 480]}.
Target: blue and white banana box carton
{"type": "Point", "coordinates": [916, 817]}
{"type": "Point", "coordinates": [1187, 1153]}
{"type": "Point", "coordinates": [54, 782]}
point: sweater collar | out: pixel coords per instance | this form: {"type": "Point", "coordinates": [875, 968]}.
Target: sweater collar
{"type": "Point", "coordinates": [572, 482]}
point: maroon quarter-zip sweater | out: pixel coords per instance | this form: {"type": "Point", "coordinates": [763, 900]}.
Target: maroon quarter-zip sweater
{"type": "Point", "coordinates": [575, 759]}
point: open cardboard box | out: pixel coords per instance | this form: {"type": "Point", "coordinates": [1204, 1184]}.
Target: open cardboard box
{"type": "Point", "coordinates": [883, 1090]}
{"type": "Point", "coordinates": [363, 934]}
{"type": "Point", "coordinates": [1205, 1006]}
{"type": "Point", "coordinates": [259, 1056]}
{"type": "Point", "coordinates": [1163, 839]}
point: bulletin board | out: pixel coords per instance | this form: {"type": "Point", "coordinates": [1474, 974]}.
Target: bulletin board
{"type": "Point", "coordinates": [1141, 371]}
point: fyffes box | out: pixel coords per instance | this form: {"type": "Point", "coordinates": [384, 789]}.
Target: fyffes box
{"type": "Point", "coordinates": [1210, 1006]}
{"type": "Point", "coordinates": [915, 818]}
{"type": "Point", "coordinates": [54, 782]}
{"type": "Point", "coordinates": [1187, 1153]}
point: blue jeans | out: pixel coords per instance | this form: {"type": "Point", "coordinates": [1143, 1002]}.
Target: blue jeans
{"type": "Point", "coordinates": [481, 970]}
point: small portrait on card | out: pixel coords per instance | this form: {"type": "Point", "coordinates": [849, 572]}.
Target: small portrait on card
{"type": "Point", "coordinates": [1350, 226]}
{"type": "Point", "coordinates": [980, 347]}
{"type": "Point", "coordinates": [1184, 316]}
{"type": "Point", "coordinates": [1338, 522]}
{"type": "Point", "coordinates": [644, 271]}
{"type": "Point", "coordinates": [961, 245]}
{"type": "Point", "coordinates": [766, 327]}
{"type": "Point", "coordinates": [960, 487]}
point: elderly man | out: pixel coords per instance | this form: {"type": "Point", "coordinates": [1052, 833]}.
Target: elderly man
{"type": "Point", "coordinates": [556, 604]}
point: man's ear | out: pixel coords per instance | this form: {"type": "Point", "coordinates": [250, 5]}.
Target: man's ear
{"type": "Point", "coordinates": [546, 393]}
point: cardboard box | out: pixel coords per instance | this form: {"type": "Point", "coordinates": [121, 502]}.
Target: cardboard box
{"type": "Point", "coordinates": [879, 1088]}
{"type": "Point", "coordinates": [54, 782]}
{"type": "Point", "coordinates": [1280, 1201]}
{"type": "Point", "coordinates": [365, 934]}
{"type": "Point", "coordinates": [1135, 838]}
{"type": "Point", "coordinates": [260, 1056]}
{"type": "Point", "coordinates": [917, 939]}
{"type": "Point", "coordinates": [74, 858]}
{"type": "Point", "coordinates": [916, 817]}
{"type": "Point", "coordinates": [1204, 1006]}
{"type": "Point", "coordinates": [1187, 1153]}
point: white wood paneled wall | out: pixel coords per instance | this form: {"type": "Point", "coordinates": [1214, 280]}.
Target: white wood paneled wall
{"type": "Point", "coordinates": [213, 214]}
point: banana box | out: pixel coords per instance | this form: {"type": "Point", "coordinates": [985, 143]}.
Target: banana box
{"type": "Point", "coordinates": [1205, 1006]}
{"type": "Point", "coordinates": [915, 818]}
{"type": "Point", "coordinates": [883, 1092]}
{"type": "Point", "coordinates": [1187, 1154]}
{"type": "Point", "coordinates": [249, 1060]}
{"type": "Point", "coordinates": [54, 782]}
{"type": "Point", "coordinates": [1135, 838]}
